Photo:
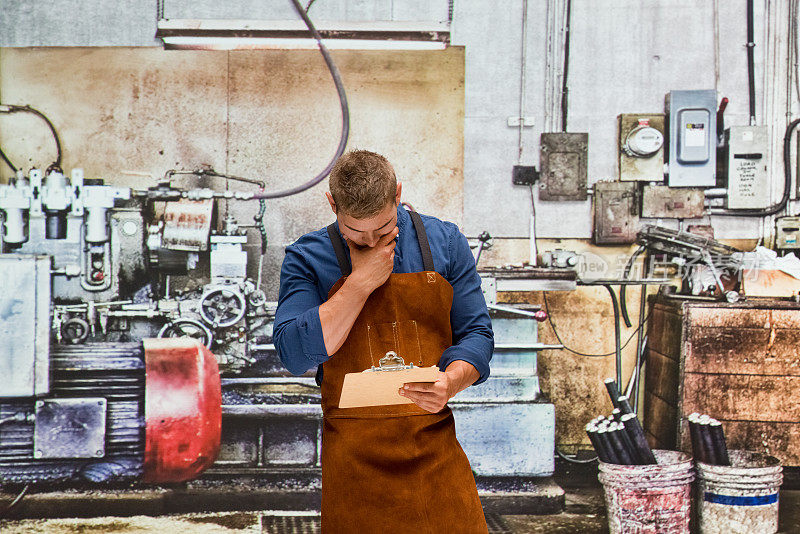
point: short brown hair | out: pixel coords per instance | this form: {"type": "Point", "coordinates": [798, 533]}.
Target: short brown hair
{"type": "Point", "coordinates": [362, 183]}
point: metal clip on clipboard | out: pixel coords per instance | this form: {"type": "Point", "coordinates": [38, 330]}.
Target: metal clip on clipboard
{"type": "Point", "coordinates": [391, 362]}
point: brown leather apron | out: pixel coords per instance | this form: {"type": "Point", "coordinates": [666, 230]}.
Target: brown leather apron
{"type": "Point", "coordinates": [394, 469]}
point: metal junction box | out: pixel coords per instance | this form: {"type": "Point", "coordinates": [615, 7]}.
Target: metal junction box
{"type": "Point", "coordinates": [641, 147]}
{"type": "Point", "coordinates": [692, 138]}
{"type": "Point", "coordinates": [747, 163]}
{"type": "Point", "coordinates": [563, 161]}
{"type": "Point", "coordinates": [615, 213]}
{"type": "Point", "coordinates": [662, 202]}
{"type": "Point", "coordinates": [70, 428]}
{"type": "Point", "coordinates": [787, 233]}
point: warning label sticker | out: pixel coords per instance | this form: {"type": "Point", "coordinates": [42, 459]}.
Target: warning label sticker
{"type": "Point", "coordinates": [695, 134]}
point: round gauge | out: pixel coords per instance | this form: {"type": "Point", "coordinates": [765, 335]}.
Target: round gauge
{"type": "Point", "coordinates": [643, 141]}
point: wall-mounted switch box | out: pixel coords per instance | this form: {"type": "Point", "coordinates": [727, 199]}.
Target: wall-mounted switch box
{"type": "Point", "coordinates": [524, 175]}
{"type": "Point", "coordinates": [692, 138]}
{"type": "Point", "coordinates": [563, 161]}
{"type": "Point", "coordinates": [615, 213]}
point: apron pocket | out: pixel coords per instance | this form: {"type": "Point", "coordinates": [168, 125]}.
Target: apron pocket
{"type": "Point", "coordinates": [400, 337]}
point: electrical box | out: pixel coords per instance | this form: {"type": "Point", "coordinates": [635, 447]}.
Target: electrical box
{"type": "Point", "coordinates": [787, 233]}
{"type": "Point", "coordinates": [615, 213]}
{"type": "Point", "coordinates": [662, 202]}
{"type": "Point", "coordinates": [692, 138]}
{"type": "Point", "coordinates": [641, 147]}
{"type": "Point", "coordinates": [747, 151]}
{"type": "Point", "coordinates": [563, 166]}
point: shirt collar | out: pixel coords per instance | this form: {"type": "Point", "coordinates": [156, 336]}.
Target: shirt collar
{"type": "Point", "coordinates": [402, 218]}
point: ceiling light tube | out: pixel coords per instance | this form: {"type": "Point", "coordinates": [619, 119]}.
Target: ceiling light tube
{"type": "Point", "coordinates": [239, 35]}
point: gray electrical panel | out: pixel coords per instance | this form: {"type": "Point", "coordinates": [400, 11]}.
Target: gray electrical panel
{"type": "Point", "coordinates": [563, 162]}
{"type": "Point", "coordinates": [615, 213]}
{"type": "Point", "coordinates": [747, 151]}
{"type": "Point", "coordinates": [692, 138]}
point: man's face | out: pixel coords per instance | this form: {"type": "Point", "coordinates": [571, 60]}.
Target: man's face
{"type": "Point", "coordinates": [363, 233]}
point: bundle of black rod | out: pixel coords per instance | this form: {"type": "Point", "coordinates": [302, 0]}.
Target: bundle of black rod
{"type": "Point", "coordinates": [708, 440]}
{"type": "Point", "coordinates": [619, 439]}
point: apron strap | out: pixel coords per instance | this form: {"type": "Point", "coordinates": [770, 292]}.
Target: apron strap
{"type": "Point", "coordinates": [338, 247]}
{"type": "Point", "coordinates": [422, 237]}
{"type": "Point", "coordinates": [344, 265]}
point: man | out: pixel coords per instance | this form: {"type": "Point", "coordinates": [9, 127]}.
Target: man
{"type": "Point", "coordinates": [383, 279]}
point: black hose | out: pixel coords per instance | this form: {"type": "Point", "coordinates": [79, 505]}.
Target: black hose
{"type": "Point", "coordinates": [575, 460]}
{"type": "Point", "coordinates": [564, 88]}
{"type": "Point", "coordinates": [642, 322]}
{"type": "Point", "coordinates": [751, 75]}
{"type": "Point", "coordinates": [337, 79]}
{"type": "Point", "coordinates": [787, 182]}
{"type": "Point", "coordinates": [8, 162]}
{"type": "Point", "coordinates": [623, 290]}
{"type": "Point", "coordinates": [641, 344]}
{"type": "Point", "coordinates": [28, 109]}
{"type": "Point", "coordinates": [259, 220]}
{"type": "Point", "coordinates": [617, 342]}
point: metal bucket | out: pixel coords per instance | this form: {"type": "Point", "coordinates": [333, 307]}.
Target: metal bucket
{"type": "Point", "coordinates": [740, 498]}
{"type": "Point", "coordinates": [648, 499]}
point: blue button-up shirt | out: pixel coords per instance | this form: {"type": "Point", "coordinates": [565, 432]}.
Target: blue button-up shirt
{"type": "Point", "coordinates": [310, 269]}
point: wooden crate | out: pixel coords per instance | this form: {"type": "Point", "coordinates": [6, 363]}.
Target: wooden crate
{"type": "Point", "coordinates": [739, 363]}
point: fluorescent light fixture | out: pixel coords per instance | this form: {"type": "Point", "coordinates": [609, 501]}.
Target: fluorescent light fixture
{"type": "Point", "coordinates": [287, 34]}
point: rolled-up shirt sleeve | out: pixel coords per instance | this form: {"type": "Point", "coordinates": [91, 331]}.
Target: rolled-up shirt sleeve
{"type": "Point", "coordinates": [298, 331]}
{"type": "Point", "coordinates": [473, 340]}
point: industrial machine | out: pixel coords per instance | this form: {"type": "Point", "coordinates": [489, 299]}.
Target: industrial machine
{"type": "Point", "coordinates": [116, 257]}
{"type": "Point", "coordinates": [108, 369]}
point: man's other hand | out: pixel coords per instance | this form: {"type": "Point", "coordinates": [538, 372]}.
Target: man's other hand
{"type": "Point", "coordinates": [430, 396]}
{"type": "Point", "coordinates": [372, 265]}
{"type": "Point", "coordinates": [433, 396]}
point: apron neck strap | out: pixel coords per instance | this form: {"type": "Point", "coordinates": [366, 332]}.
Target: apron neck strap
{"type": "Point", "coordinates": [422, 238]}
{"type": "Point", "coordinates": [338, 247]}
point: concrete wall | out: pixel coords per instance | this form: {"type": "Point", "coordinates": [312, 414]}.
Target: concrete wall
{"type": "Point", "coordinates": [439, 116]}
{"type": "Point", "coordinates": [130, 114]}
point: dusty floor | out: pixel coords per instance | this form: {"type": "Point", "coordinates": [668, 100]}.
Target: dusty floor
{"type": "Point", "coordinates": [584, 514]}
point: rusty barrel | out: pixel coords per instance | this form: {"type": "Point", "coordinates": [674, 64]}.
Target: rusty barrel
{"type": "Point", "coordinates": [739, 498]}
{"type": "Point", "coordinates": [653, 498]}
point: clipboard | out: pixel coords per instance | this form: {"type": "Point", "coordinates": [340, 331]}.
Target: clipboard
{"type": "Point", "coordinates": [378, 386]}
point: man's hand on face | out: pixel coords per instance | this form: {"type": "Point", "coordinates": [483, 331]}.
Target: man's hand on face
{"type": "Point", "coordinates": [373, 265]}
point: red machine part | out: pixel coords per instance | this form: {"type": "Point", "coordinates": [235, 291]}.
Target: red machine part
{"type": "Point", "coordinates": [183, 411]}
